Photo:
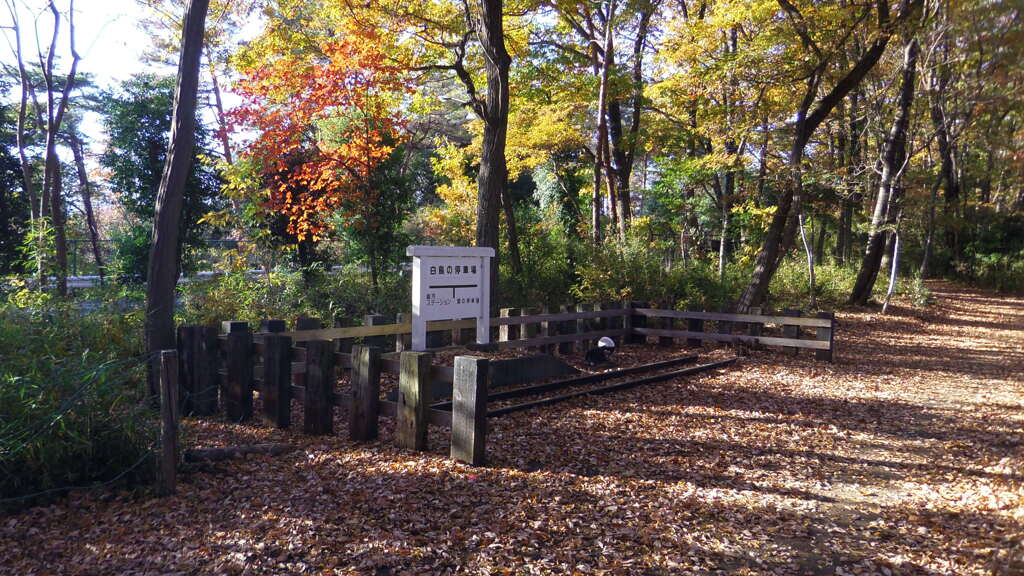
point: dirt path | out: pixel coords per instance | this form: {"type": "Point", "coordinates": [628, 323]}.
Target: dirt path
{"type": "Point", "coordinates": [904, 457]}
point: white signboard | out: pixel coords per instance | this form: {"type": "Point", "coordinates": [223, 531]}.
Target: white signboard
{"type": "Point", "coordinates": [450, 283]}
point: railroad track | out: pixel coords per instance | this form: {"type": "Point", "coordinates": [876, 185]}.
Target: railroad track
{"type": "Point", "coordinates": [661, 371]}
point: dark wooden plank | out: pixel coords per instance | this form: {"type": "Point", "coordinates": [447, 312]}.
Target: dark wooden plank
{"type": "Point", "coordinates": [276, 388]}
{"type": "Point", "coordinates": [546, 329]}
{"type": "Point", "coordinates": [638, 322]}
{"type": "Point", "coordinates": [666, 324]}
{"type": "Point", "coordinates": [791, 331]}
{"type": "Point", "coordinates": [272, 325]}
{"type": "Point", "coordinates": [766, 340]}
{"type": "Point", "coordinates": [413, 400]}
{"type": "Point", "coordinates": [608, 389]}
{"type": "Point", "coordinates": [565, 327]}
{"type": "Point", "coordinates": [343, 345]}
{"type": "Point", "coordinates": [238, 384]}
{"type": "Point", "coordinates": [168, 421]}
{"type": "Point", "coordinates": [730, 317]}
{"type": "Point", "coordinates": [826, 335]}
{"type": "Point", "coordinates": [693, 325]}
{"type": "Point", "coordinates": [317, 402]}
{"type": "Point", "coordinates": [583, 327]}
{"type": "Point", "coordinates": [365, 393]}
{"type": "Point", "coordinates": [469, 410]}
{"type": "Point", "coordinates": [755, 329]}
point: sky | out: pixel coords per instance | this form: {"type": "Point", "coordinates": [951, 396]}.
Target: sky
{"type": "Point", "coordinates": [107, 34]}
{"type": "Point", "coordinates": [109, 39]}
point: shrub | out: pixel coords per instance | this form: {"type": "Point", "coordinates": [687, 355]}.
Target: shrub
{"type": "Point", "coordinates": [70, 386]}
{"type": "Point", "coordinates": [319, 293]}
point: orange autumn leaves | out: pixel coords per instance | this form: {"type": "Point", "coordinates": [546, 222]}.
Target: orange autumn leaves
{"type": "Point", "coordinates": [322, 124]}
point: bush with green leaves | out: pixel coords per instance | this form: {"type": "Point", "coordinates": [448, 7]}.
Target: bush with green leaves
{"type": "Point", "coordinates": [325, 294]}
{"type": "Point", "coordinates": [70, 391]}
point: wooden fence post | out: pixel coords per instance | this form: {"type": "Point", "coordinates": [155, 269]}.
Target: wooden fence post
{"type": "Point", "coordinates": [308, 323]}
{"type": "Point", "coordinates": [666, 324]}
{"type": "Point", "coordinates": [318, 407]}
{"type": "Point", "coordinates": [304, 323]}
{"type": "Point", "coordinates": [582, 326]}
{"type": "Point", "coordinates": [725, 327]}
{"type": "Point", "coordinates": [238, 400]}
{"type": "Point", "coordinates": [638, 322]}
{"type": "Point", "coordinates": [413, 400]}
{"type": "Point", "coordinates": [272, 325]}
{"type": "Point", "coordinates": [545, 331]}
{"type": "Point", "coordinates": [343, 345]}
{"type": "Point", "coordinates": [375, 320]}
{"type": "Point", "coordinates": [508, 332]}
{"type": "Point", "coordinates": [362, 423]}
{"type": "Point", "coordinates": [791, 331]}
{"type": "Point", "coordinates": [403, 342]}
{"type": "Point", "coordinates": [198, 359]}
{"type": "Point", "coordinates": [566, 327]}
{"type": "Point", "coordinates": [168, 421]}
{"type": "Point", "coordinates": [755, 328]}
{"type": "Point", "coordinates": [694, 325]}
{"type": "Point", "coordinates": [276, 394]}
{"type": "Point", "coordinates": [469, 410]}
{"type": "Point", "coordinates": [826, 335]}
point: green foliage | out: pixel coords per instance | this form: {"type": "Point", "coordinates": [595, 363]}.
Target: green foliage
{"type": "Point", "coordinates": [69, 399]}
{"type": "Point", "coordinates": [633, 271]}
{"type": "Point", "coordinates": [137, 118]}
{"type": "Point", "coordinates": [346, 293]}
{"type": "Point", "coordinates": [131, 254]}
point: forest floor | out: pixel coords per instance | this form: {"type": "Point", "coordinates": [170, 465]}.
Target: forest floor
{"type": "Point", "coordinates": [903, 457]}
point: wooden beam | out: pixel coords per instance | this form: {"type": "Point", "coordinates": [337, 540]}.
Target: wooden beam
{"type": "Point", "coordinates": [365, 393]}
{"type": "Point", "coordinates": [318, 405]}
{"type": "Point", "coordinates": [766, 340]}
{"type": "Point", "coordinates": [413, 401]}
{"type": "Point", "coordinates": [716, 316]}
{"type": "Point", "coordinates": [469, 410]}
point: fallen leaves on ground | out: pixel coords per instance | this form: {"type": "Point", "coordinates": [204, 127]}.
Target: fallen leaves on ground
{"type": "Point", "coordinates": [903, 457]}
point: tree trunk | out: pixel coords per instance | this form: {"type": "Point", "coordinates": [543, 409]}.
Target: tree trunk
{"type": "Point", "coordinates": [926, 256]}
{"type": "Point", "coordinates": [893, 160]}
{"type": "Point", "coordinates": [164, 256]}
{"type": "Point", "coordinates": [894, 271]}
{"type": "Point", "coordinates": [602, 158]}
{"type": "Point", "coordinates": [52, 185]}
{"type": "Point", "coordinates": [219, 104]}
{"type": "Point", "coordinates": [59, 217]}
{"type": "Point", "coordinates": [492, 180]}
{"type": "Point", "coordinates": [85, 189]}
{"type": "Point", "coordinates": [811, 281]}
{"type": "Point", "coordinates": [516, 259]}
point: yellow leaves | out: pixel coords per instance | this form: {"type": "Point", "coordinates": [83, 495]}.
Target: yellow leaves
{"type": "Point", "coordinates": [454, 221]}
{"type": "Point", "coordinates": [536, 131]}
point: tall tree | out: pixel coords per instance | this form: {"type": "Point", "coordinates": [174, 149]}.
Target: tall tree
{"type": "Point", "coordinates": [164, 257]}
{"type": "Point", "coordinates": [894, 161]}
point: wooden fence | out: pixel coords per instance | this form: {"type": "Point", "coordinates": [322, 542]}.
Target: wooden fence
{"type": "Point", "coordinates": [225, 371]}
